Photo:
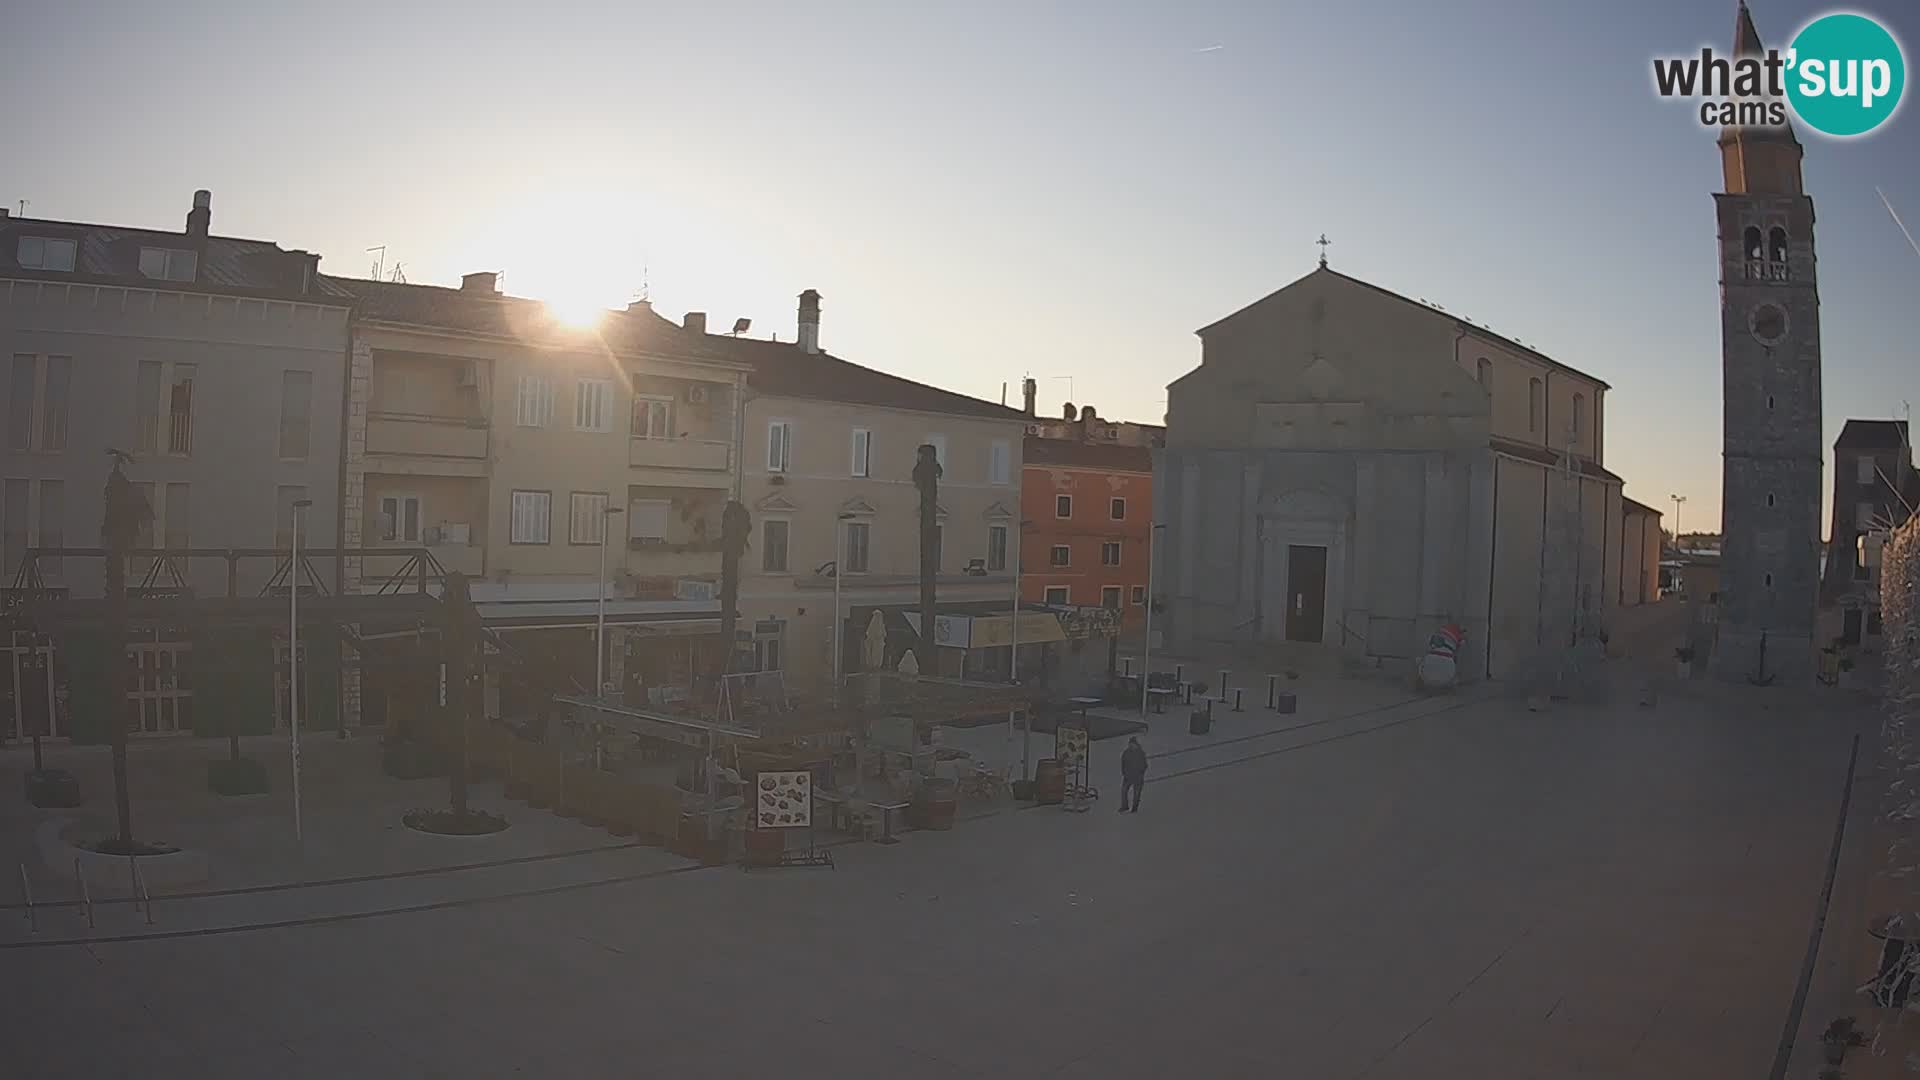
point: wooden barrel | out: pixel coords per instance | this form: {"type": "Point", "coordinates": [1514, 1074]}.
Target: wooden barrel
{"type": "Point", "coordinates": [1049, 782]}
{"type": "Point", "coordinates": [935, 803]}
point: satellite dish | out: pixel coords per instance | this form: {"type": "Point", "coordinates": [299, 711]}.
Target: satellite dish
{"type": "Point", "coordinates": [740, 326]}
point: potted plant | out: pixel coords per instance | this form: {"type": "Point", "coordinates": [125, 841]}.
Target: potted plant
{"type": "Point", "coordinates": [1684, 657]}
{"type": "Point", "coordinates": [1842, 1033]}
{"type": "Point", "coordinates": [1846, 672]}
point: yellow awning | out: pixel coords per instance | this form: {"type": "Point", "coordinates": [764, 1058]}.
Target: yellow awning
{"type": "Point", "coordinates": [996, 631]}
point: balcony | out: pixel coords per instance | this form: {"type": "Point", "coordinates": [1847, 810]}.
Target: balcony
{"type": "Point", "coordinates": [449, 439]}
{"type": "Point", "coordinates": [378, 571]}
{"type": "Point", "coordinates": [707, 456]}
{"type": "Point", "coordinates": [645, 559]}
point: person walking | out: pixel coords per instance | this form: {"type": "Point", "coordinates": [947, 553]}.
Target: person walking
{"type": "Point", "coordinates": [1133, 775]}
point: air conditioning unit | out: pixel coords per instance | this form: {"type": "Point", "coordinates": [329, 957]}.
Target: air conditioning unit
{"type": "Point", "coordinates": [458, 533]}
{"type": "Point", "coordinates": [470, 375]}
{"type": "Point", "coordinates": [433, 536]}
{"type": "Point", "coordinates": [697, 394]}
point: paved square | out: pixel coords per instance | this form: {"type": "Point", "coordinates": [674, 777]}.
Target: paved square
{"type": "Point", "coordinates": [1442, 888]}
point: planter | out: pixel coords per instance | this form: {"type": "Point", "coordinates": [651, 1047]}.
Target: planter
{"type": "Point", "coordinates": [52, 788]}
{"type": "Point", "coordinates": [1199, 723]}
{"type": "Point", "coordinates": [1684, 669]}
{"type": "Point", "coordinates": [243, 776]}
{"type": "Point", "coordinates": [444, 823]}
{"type": "Point", "coordinates": [1836, 1052]}
{"type": "Point", "coordinates": [1023, 790]}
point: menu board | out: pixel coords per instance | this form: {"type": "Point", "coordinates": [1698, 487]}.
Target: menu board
{"type": "Point", "coordinates": [783, 800]}
{"type": "Point", "coordinates": [1070, 747]}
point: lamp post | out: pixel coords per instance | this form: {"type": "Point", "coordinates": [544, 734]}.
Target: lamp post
{"type": "Point", "coordinates": [293, 658]}
{"type": "Point", "coordinates": [839, 566]}
{"type": "Point", "coordinates": [600, 613]}
{"type": "Point", "coordinates": [1013, 660]}
{"type": "Point", "coordinates": [1677, 500]}
{"type": "Point", "coordinates": [1146, 662]}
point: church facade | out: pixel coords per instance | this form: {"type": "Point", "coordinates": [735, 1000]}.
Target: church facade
{"type": "Point", "coordinates": [1352, 469]}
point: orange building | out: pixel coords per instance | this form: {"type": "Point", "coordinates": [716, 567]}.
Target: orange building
{"type": "Point", "coordinates": [1086, 511]}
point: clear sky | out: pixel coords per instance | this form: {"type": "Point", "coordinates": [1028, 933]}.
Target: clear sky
{"type": "Point", "coordinates": [989, 189]}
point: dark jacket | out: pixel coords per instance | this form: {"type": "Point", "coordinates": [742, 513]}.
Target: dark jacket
{"type": "Point", "coordinates": [1133, 763]}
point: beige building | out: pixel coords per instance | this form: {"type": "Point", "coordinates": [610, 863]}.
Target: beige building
{"type": "Point", "coordinates": [505, 442]}
{"type": "Point", "coordinates": [1640, 544]}
{"type": "Point", "coordinates": [828, 449]}
{"type": "Point", "coordinates": [1351, 468]}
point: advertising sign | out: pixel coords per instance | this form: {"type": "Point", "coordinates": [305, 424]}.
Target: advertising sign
{"type": "Point", "coordinates": [784, 800]}
{"type": "Point", "coordinates": [1070, 747]}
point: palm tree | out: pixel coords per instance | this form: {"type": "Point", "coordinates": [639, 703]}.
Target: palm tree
{"type": "Point", "coordinates": [460, 643]}
{"type": "Point", "coordinates": [926, 478]}
{"type": "Point", "coordinates": [125, 512]}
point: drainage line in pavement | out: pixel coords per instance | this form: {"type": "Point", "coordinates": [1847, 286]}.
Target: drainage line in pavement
{"type": "Point", "coordinates": [1302, 746]}
{"type": "Point", "coordinates": [1785, 1050]}
{"type": "Point", "coordinates": [1164, 754]}
{"type": "Point", "coordinates": [353, 916]}
{"type": "Point", "coordinates": [361, 879]}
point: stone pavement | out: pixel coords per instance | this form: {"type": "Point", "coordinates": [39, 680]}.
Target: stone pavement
{"type": "Point", "coordinates": [1481, 891]}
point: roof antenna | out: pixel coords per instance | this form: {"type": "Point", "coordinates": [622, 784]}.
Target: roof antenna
{"type": "Point", "coordinates": [379, 263]}
{"type": "Point", "coordinates": [645, 289]}
{"type": "Point", "coordinates": [24, 203]}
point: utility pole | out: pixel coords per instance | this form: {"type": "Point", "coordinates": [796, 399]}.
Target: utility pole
{"type": "Point", "coordinates": [1677, 501]}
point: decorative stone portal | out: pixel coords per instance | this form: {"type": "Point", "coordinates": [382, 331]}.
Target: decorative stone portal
{"type": "Point", "coordinates": [1303, 567]}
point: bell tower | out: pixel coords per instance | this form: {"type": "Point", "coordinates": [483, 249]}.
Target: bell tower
{"type": "Point", "coordinates": [1772, 460]}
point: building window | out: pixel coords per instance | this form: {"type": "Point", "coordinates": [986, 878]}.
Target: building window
{"type": "Point", "coordinates": [167, 264]}
{"type": "Point", "coordinates": [1769, 581]}
{"type": "Point", "coordinates": [1139, 595]}
{"type": "Point", "coordinates": [296, 413]}
{"type": "Point", "coordinates": [176, 516]}
{"type": "Point", "coordinates": [1117, 509]}
{"type": "Point", "coordinates": [1483, 371]}
{"type": "Point", "coordinates": [1000, 469]}
{"type": "Point", "coordinates": [1863, 516]}
{"type": "Point", "coordinates": [652, 418]}
{"type": "Point", "coordinates": [1769, 498]}
{"type": "Point", "coordinates": [773, 546]}
{"type": "Point", "coordinates": [146, 436]}
{"type": "Point", "coordinates": [531, 515]}
{"type": "Point", "coordinates": [143, 536]}
{"type": "Point", "coordinates": [1063, 506]}
{"type": "Point", "coordinates": [533, 401]}
{"type": "Point", "coordinates": [647, 520]}
{"type": "Point", "coordinates": [593, 405]}
{"type": "Point", "coordinates": [1864, 471]}
{"type": "Point", "coordinates": [283, 511]}
{"type": "Point", "coordinates": [1579, 408]}
{"type": "Point", "coordinates": [52, 524]}
{"type": "Point", "coordinates": [180, 410]}
{"type": "Point", "coordinates": [1110, 597]}
{"type": "Point", "coordinates": [1110, 553]}
{"type": "Point", "coordinates": [14, 522]}
{"type": "Point", "coordinates": [939, 444]}
{"type": "Point", "coordinates": [1769, 402]}
{"type": "Point", "coordinates": [857, 537]}
{"type": "Point", "coordinates": [1057, 595]}
{"type": "Point", "coordinates": [586, 517]}
{"type": "Point", "coordinates": [37, 408]}
{"type": "Point", "coordinates": [45, 253]}
{"type": "Point", "coordinates": [1060, 555]}
{"type": "Point", "coordinates": [862, 463]}
{"type": "Point", "coordinates": [996, 547]}
{"type": "Point", "coordinates": [1534, 390]}
{"type": "Point", "coordinates": [779, 446]}
{"type": "Point", "coordinates": [766, 647]}
{"type": "Point", "coordinates": [400, 518]}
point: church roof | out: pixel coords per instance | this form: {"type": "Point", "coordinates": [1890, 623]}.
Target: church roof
{"type": "Point", "coordinates": [1460, 323]}
{"type": "Point", "coordinates": [1746, 42]}
{"type": "Point", "coordinates": [1872, 435]}
{"type": "Point", "coordinates": [1634, 504]}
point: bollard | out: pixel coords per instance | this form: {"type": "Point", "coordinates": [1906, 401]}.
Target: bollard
{"type": "Point", "coordinates": [1236, 701]}
{"type": "Point", "coordinates": [1285, 703]}
{"type": "Point", "coordinates": [1223, 683]}
{"type": "Point", "coordinates": [1126, 667]}
{"type": "Point", "coordinates": [1188, 687]}
{"type": "Point", "coordinates": [1179, 673]}
{"type": "Point", "coordinates": [1209, 710]}
{"type": "Point", "coordinates": [1273, 691]}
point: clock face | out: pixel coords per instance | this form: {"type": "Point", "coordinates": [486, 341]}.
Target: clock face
{"type": "Point", "coordinates": [1768, 323]}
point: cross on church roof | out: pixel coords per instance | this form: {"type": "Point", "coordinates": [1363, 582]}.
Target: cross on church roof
{"type": "Point", "coordinates": [1323, 242]}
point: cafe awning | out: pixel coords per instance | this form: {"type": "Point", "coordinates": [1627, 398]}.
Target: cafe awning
{"type": "Point", "coordinates": [991, 631]}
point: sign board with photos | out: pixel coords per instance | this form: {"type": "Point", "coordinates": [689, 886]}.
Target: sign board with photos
{"type": "Point", "coordinates": [783, 800]}
{"type": "Point", "coordinates": [1070, 747]}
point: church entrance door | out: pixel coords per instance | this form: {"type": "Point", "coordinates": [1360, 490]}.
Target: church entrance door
{"type": "Point", "coordinates": [1306, 591]}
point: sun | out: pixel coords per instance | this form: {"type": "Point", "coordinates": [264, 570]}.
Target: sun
{"type": "Point", "coordinates": [579, 312]}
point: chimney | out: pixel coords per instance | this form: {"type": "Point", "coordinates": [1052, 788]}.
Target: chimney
{"type": "Point", "coordinates": [487, 283]}
{"type": "Point", "coordinates": [309, 269]}
{"type": "Point", "coordinates": [696, 321]}
{"type": "Point", "coordinates": [3, 213]}
{"type": "Point", "coordinates": [1069, 413]}
{"type": "Point", "coordinates": [809, 337]}
{"type": "Point", "coordinates": [1030, 390]}
{"type": "Point", "coordinates": [201, 216]}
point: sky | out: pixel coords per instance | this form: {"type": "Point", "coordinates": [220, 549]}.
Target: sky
{"type": "Point", "coordinates": [990, 190]}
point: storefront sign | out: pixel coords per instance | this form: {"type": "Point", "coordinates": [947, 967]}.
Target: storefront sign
{"type": "Point", "coordinates": [952, 631]}
{"type": "Point", "coordinates": [996, 631]}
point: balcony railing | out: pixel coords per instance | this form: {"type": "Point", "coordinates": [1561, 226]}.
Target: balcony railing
{"type": "Point", "coordinates": [1766, 270]}
{"type": "Point", "coordinates": [426, 436]}
{"type": "Point", "coordinates": [706, 455]}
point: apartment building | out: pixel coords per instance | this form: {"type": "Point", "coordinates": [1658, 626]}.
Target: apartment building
{"type": "Point", "coordinates": [530, 453]}
{"type": "Point", "coordinates": [829, 448]}
{"type": "Point", "coordinates": [1090, 505]}
{"type": "Point", "coordinates": [219, 364]}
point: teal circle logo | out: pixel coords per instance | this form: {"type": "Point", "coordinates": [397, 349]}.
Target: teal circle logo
{"type": "Point", "coordinates": [1845, 75]}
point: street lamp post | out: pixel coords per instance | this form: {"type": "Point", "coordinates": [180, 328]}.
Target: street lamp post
{"type": "Point", "coordinates": [839, 568]}
{"type": "Point", "coordinates": [293, 658]}
{"type": "Point", "coordinates": [1146, 663]}
{"type": "Point", "coordinates": [1677, 500]}
{"type": "Point", "coordinates": [600, 615]}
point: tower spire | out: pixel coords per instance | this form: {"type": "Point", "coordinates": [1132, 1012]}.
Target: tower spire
{"type": "Point", "coordinates": [1760, 159]}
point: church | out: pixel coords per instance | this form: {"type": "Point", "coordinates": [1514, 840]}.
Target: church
{"type": "Point", "coordinates": [1351, 469]}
